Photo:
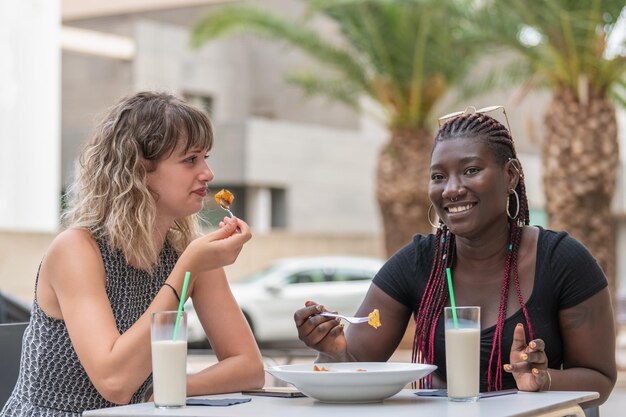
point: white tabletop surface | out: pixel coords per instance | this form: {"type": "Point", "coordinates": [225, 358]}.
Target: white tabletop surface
{"type": "Point", "coordinates": [405, 403]}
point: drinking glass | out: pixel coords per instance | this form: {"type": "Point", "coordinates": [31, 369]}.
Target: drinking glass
{"type": "Point", "coordinates": [169, 359]}
{"type": "Point", "coordinates": [462, 352]}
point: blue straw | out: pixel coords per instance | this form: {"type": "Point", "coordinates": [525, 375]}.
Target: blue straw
{"type": "Point", "coordinates": [452, 302]}
{"type": "Point", "coordinates": [181, 306]}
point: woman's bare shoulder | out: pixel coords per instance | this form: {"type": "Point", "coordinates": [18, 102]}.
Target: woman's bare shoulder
{"type": "Point", "coordinates": [70, 247]}
{"type": "Point", "coordinates": [72, 264]}
{"type": "Point", "coordinates": [73, 239]}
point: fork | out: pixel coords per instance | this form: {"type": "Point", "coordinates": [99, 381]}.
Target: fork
{"type": "Point", "coordinates": [353, 320]}
{"type": "Point", "coordinates": [230, 213]}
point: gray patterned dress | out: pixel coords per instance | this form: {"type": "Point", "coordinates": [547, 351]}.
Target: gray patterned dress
{"type": "Point", "coordinates": [52, 382]}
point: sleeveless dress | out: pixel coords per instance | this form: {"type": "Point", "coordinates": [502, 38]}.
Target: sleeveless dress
{"type": "Point", "coordinates": [52, 382]}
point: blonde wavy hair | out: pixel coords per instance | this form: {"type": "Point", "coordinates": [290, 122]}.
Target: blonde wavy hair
{"type": "Point", "coordinates": [109, 196]}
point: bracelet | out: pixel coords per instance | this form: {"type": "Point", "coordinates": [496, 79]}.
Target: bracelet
{"type": "Point", "coordinates": [549, 380]}
{"type": "Point", "coordinates": [173, 289]}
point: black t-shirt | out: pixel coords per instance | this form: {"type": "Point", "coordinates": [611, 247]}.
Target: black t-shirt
{"type": "Point", "coordinates": [566, 274]}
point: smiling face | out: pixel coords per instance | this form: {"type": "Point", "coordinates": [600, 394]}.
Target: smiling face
{"type": "Point", "coordinates": [179, 182]}
{"type": "Point", "coordinates": [468, 187]}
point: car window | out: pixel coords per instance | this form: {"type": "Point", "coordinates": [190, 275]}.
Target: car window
{"type": "Point", "coordinates": [306, 277]}
{"type": "Point", "coordinates": [353, 275]}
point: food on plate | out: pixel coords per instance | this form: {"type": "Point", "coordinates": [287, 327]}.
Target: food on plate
{"type": "Point", "coordinates": [224, 198]}
{"type": "Point", "coordinates": [323, 369]}
{"type": "Point", "coordinates": [373, 319]}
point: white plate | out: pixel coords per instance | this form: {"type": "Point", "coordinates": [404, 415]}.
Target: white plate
{"type": "Point", "coordinates": [344, 383]}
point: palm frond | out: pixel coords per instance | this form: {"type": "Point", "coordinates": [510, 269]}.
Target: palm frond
{"type": "Point", "coordinates": [618, 94]}
{"type": "Point", "coordinates": [231, 20]}
{"type": "Point", "coordinates": [394, 51]}
{"type": "Point", "coordinates": [502, 77]}
{"type": "Point", "coordinates": [613, 71]}
{"type": "Point", "coordinates": [380, 51]}
{"type": "Point", "coordinates": [419, 60]}
{"type": "Point", "coordinates": [571, 37]}
{"type": "Point", "coordinates": [337, 89]}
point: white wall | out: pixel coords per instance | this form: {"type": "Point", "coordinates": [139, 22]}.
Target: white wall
{"type": "Point", "coordinates": [220, 69]}
{"type": "Point", "coordinates": [329, 174]}
{"type": "Point", "coordinates": [29, 115]}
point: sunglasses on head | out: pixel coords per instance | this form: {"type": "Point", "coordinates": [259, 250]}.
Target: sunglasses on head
{"type": "Point", "coordinates": [471, 110]}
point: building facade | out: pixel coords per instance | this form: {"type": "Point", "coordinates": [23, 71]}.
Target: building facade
{"type": "Point", "coordinates": [297, 166]}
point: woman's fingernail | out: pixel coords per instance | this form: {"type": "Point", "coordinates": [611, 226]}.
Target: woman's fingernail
{"type": "Point", "coordinates": [535, 371]}
{"type": "Point", "coordinates": [524, 357]}
{"type": "Point", "coordinates": [532, 344]}
{"type": "Point", "coordinates": [507, 367]}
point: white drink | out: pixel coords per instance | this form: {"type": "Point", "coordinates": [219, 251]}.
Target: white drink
{"type": "Point", "coordinates": [169, 370]}
{"type": "Point", "coordinates": [463, 362]}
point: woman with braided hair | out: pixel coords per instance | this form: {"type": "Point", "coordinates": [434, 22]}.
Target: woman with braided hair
{"type": "Point", "coordinates": [546, 316]}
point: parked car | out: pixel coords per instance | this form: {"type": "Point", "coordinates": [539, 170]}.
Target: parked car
{"type": "Point", "coordinates": [269, 298]}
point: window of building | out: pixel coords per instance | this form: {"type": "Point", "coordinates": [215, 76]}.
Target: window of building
{"type": "Point", "coordinates": [279, 208]}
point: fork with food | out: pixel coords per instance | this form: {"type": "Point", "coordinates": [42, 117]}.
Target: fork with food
{"type": "Point", "coordinates": [373, 318]}
{"type": "Point", "coordinates": [224, 199]}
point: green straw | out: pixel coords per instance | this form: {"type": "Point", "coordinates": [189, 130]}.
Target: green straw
{"type": "Point", "coordinates": [452, 302]}
{"type": "Point", "coordinates": [181, 306]}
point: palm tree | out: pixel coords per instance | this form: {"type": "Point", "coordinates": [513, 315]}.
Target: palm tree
{"type": "Point", "coordinates": [562, 45]}
{"type": "Point", "coordinates": [396, 52]}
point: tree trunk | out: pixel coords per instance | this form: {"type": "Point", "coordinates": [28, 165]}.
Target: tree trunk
{"type": "Point", "coordinates": [402, 186]}
{"type": "Point", "coordinates": [402, 193]}
{"type": "Point", "coordinates": [580, 158]}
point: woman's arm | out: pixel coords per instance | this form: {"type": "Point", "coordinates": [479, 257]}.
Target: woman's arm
{"type": "Point", "coordinates": [588, 336]}
{"type": "Point", "coordinates": [361, 342]}
{"type": "Point", "coordinates": [72, 288]}
{"type": "Point", "coordinates": [588, 333]}
{"type": "Point", "coordinates": [587, 327]}
{"type": "Point", "coordinates": [240, 366]}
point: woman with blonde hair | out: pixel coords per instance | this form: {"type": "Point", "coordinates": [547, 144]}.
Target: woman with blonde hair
{"type": "Point", "coordinates": [132, 234]}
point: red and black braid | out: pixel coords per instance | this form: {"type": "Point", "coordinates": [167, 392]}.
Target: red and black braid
{"type": "Point", "coordinates": [435, 297]}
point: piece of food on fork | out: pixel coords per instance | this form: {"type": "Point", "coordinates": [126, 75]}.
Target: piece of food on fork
{"type": "Point", "coordinates": [225, 198]}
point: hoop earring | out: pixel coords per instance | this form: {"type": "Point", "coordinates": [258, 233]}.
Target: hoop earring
{"type": "Point", "coordinates": [436, 226]}
{"type": "Point", "coordinates": [508, 213]}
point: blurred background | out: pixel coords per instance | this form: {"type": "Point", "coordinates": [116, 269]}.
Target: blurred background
{"type": "Point", "coordinates": [324, 113]}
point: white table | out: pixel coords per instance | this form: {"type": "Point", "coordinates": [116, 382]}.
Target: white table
{"type": "Point", "coordinates": [405, 403]}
